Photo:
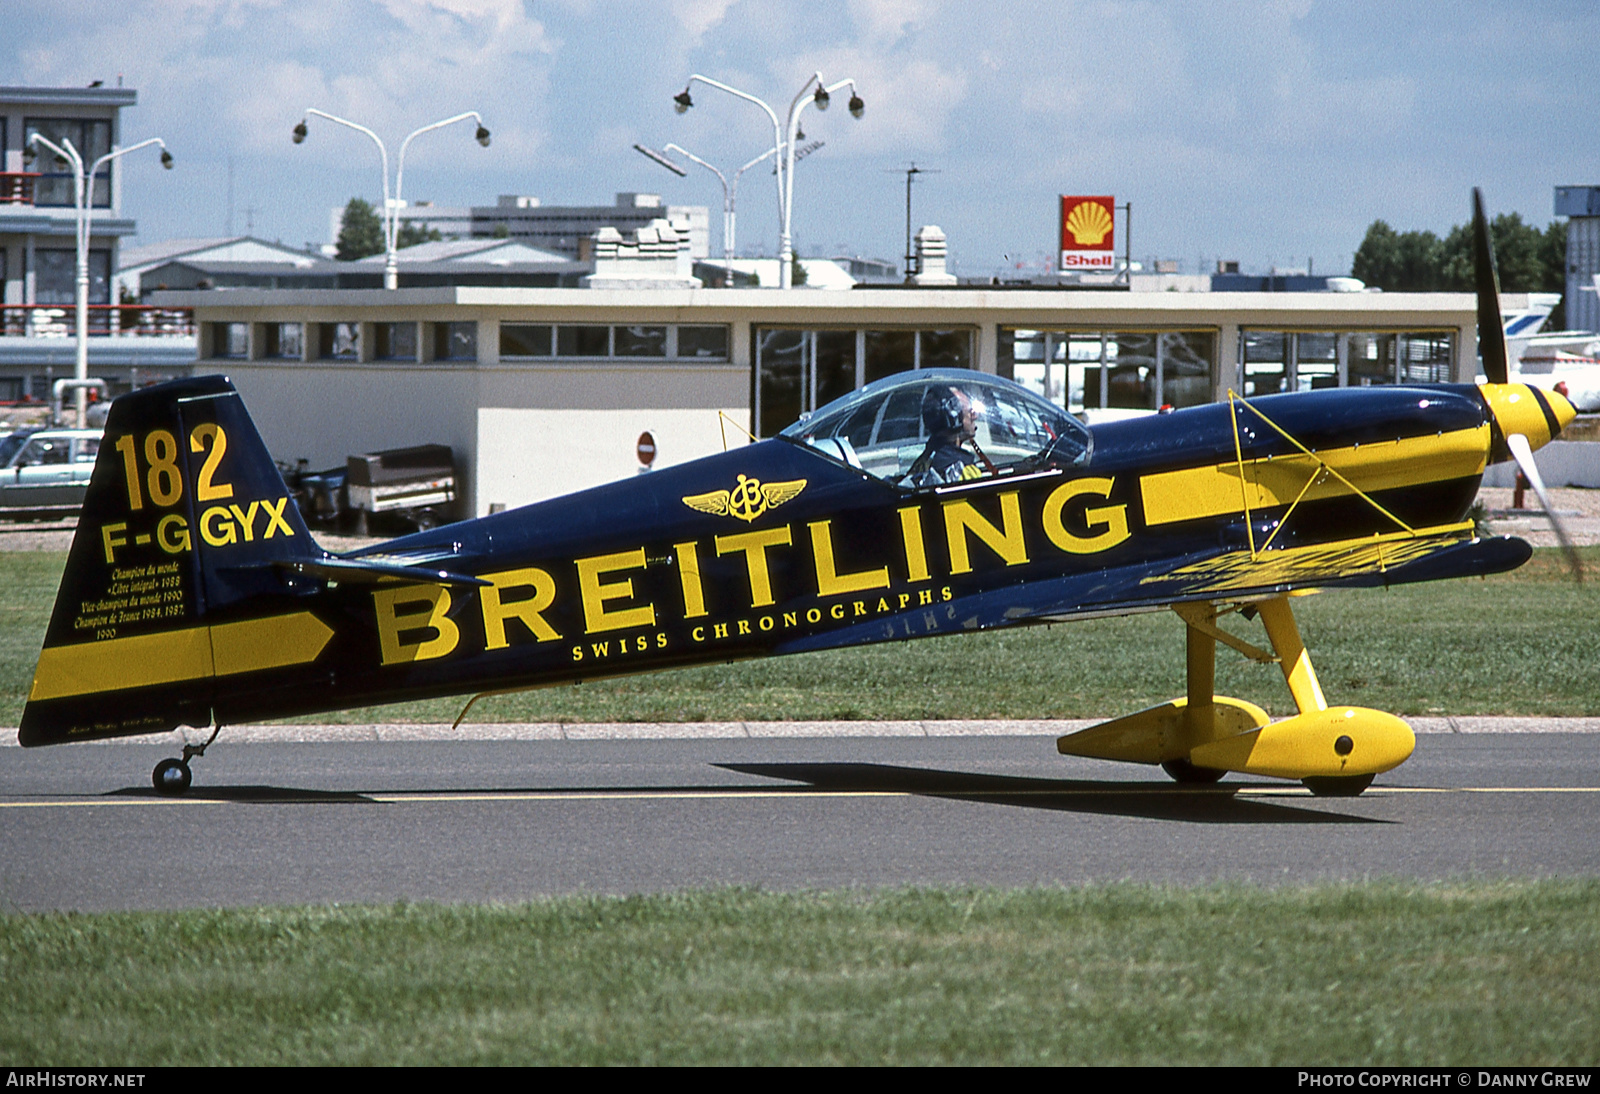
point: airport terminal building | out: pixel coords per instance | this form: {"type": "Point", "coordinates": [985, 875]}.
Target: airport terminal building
{"type": "Point", "coordinates": [542, 391]}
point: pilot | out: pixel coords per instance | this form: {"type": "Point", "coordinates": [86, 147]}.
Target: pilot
{"type": "Point", "coordinates": [950, 416]}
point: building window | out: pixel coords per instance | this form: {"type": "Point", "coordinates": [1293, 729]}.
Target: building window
{"type": "Point", "coordinates": [705, 343]}
{"type": "Point", "coordinates": [525, 340]}
{"type": "Point", "coordinates": [455, 341]}
{"type": "Point", "coordinates": [230, 340]}
{"type": "Point", "coordinates": [283, 340]}
{"type": "Point", "coordinates": [889, 352]}
{"type": "Point", "coordinates": [1127, 370]}
{"type": "Point", "coordinates": [640, 341]}
{"type": "Point", "coordinates": [697, 343]}
{"type": "Point", "coordinates": [1273, 361]}
{"type": "Point", "coordinates": [583, 341]}
{"type": "Point", "coordinates": [56, 276]}
{"type": "Point", "coordinates": [395, 341]}
{"type": "Point", "coordinates": [798, 371]}
{"type": "Point", "coordinates": [55, 184]}
{"type": "Point", "coordinates": [339, 341]}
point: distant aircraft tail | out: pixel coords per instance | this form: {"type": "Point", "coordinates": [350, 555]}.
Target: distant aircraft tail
{"type": "Point", "coordinates": [181, 575]}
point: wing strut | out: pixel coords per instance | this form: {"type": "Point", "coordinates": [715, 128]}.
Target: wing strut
{"type": "Point", "coordinates": [1322, 468]}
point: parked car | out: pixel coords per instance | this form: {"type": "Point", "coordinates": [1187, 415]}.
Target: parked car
{"type": "Point", "coordinates": [46, 471]}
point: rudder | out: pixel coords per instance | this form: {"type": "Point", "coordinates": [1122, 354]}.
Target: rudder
{"type": "Point", "coordinates": [174, 579]}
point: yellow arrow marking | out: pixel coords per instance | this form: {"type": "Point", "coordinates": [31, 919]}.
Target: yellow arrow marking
{"type": "Point", "coordinates": [170, 657]}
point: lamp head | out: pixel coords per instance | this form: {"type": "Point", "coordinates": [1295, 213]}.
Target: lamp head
{"type": "Point", "coordinates": [28, 155]}
{"type": "Point", "coordinates": [482, 136]}
{"type": "Point", "coordinates": [821, 98]}
{"type": "Point", "coordinates": [166, 159]}
{"type": "Point", "coordinates": [300, 132]}
{"type": "Point", "coordinates": [857, 107]}
{"type": "Point", "coordinates": [681, 101]}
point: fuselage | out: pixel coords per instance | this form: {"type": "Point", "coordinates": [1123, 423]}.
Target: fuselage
{"type": "Point", "coordinates": [789, 545]}
{"type": "Point", "coordinates": [628, 577]}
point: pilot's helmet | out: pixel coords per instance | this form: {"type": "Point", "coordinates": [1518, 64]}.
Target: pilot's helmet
{"type": "Point", "coordinates": [942, 405]}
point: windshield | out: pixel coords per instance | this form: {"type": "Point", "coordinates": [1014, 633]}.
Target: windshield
{"type": "Point", "coordinates": [934, 426]}
{"type": "Point", "coordinates": [10, 445]}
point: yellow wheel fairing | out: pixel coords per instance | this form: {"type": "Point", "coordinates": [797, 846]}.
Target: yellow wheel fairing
{"type": "Point", "coordinates": [1338, 741]}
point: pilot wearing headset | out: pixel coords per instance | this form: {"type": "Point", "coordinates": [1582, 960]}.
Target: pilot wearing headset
{"type": "Point", "coordinates": [950, 416]}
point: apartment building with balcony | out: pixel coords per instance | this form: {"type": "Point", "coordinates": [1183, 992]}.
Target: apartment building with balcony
{"type": "Point", "coordinates": [38, 249]}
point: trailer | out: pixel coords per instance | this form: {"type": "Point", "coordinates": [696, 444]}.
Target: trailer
{"type": "Point", "coordinates": [417, 484]}
{"type": "Point", "coordinates": [414, 488]}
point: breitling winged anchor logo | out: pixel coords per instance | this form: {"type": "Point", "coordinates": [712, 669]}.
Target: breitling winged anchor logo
{"type": "Point", "coordinates": [748, 500]}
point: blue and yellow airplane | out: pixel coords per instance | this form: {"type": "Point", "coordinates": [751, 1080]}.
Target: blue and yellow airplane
{"type": "Point", "coordinates": [928, 503]}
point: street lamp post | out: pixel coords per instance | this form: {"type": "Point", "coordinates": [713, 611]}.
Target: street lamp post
{"type": "Point", "coordinates": [83, 201]}
{"type": "Point", "coordinates": [391, 209]}
{"type": "Point", "coordinates": [813, 92]}
{"type": "Point", "coordinates": [730, 191]}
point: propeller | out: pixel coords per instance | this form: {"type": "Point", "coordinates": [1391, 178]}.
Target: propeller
{"type": "Point", "coordinates": [1486, 278]}
{"type": "Point", "coordinates": [1510, 404]}
{"type": "Point", "coordinates": [1522, 452]}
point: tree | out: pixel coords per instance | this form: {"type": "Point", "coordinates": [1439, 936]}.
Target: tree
{"type": "Point", "coordinates": [1527, 259]}
{"type": "Point", "coordinates": [361, 232]}
{"type": "Point", "coordinates": [1398, 261]}
{"type": "Point", "coordinates": [411, 234]}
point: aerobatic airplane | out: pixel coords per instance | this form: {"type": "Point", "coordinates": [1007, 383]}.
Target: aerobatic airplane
{"type": "Point", "coordinates": [928, 503]}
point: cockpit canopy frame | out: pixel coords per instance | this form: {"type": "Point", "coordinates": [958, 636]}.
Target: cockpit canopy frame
{"type": "Point", "coordinates": [890, 427]}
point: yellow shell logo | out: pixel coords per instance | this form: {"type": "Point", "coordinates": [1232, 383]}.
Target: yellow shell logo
{"type": "Point", "coordinates": [1089, 222]}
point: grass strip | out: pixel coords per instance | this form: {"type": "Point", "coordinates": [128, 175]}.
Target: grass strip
{"type": "Point", "coordinates": [1476, 972]}
{"type": "Point", "coordinates": [1519, 643]}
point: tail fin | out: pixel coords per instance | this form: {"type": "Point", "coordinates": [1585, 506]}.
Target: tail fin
{"type": "Point", "coordinates": [175, 578]}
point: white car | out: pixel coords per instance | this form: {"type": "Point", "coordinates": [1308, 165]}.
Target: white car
{"type": "Point", "coordinates": [46, 470]}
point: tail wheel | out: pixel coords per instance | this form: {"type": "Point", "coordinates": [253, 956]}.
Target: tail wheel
{"type": "Point", "coordinates": [171, 777]}
{"type": "Point", "coordinates": [1185, 772]}
{"type": "Point", "coordinates": [1337, 786]}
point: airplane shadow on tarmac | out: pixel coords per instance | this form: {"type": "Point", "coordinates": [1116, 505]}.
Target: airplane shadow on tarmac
{"type": "Point", "coordinates": [1217, 803]}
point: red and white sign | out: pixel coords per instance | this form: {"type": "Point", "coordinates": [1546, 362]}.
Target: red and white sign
{"type": "Point", "coordinates": [646, 449]}
{"type": "Point", "coordinates": [1088, 236]}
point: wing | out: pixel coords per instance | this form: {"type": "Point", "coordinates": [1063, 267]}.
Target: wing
{"type": "Point", "coordinates": [777, 493]}
{"type": "Point", "coordinates": [1222, 575]}
{"type": "Point", "coordinates": [714, 502]}
{"type": "Point", "coordinates": [1401, 558]}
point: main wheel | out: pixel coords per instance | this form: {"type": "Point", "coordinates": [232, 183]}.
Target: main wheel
{"type": "Point", "coordinates": [171, 777]}
{"type": "Point", "coordinates": [1185, 772]}
{"type": "Point", "coordinates": [1337, 786]}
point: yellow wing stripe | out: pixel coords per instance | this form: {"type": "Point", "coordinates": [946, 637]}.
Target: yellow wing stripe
{"type": "Point", "coordinates": [170, 657]}
{"type": "Point", "coordinates": [1215, 490]}
{"type": "Point", "coordinates": [1315, 563]}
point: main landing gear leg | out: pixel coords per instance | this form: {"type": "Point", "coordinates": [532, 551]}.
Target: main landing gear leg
{"type": "Point", "coordinates": [172, 777]}
{"type": "Point", "coordinates": [1200, 709]}
{"type": "Point", "coordinates": [1278, 618]}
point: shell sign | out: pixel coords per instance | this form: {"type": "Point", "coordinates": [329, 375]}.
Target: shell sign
{"type": "Point", "coordinates": [1088, 241]}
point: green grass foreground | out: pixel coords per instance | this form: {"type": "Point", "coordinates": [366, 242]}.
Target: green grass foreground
{"type": "Point", "coordinates": [1517, 643]}
{"type": "Point", "coordinates": [1473, 972]}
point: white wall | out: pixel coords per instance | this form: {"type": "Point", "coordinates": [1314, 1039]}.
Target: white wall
{"type": "Point", "coordinates": [527, 455]}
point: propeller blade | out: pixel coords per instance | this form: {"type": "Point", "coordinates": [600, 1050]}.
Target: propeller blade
{"type": "Point", "coordinates": [1491, 329]}
{"type": "Point", "coordinates": [1522, 452]}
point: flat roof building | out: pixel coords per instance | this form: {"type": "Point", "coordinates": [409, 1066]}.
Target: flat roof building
{"type": "Point", "coordinates": [543, 391]}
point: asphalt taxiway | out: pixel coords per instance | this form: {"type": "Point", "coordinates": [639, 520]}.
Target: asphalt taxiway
{"type": "Point", "coordinates": [292, 817]}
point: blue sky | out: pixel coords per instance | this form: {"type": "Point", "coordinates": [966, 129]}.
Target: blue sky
{"type": "Point", "coordinates": [1268, 132]}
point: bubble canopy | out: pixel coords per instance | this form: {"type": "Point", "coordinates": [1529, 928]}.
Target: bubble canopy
{"type": "Point", "coordinates": [889, 427]}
